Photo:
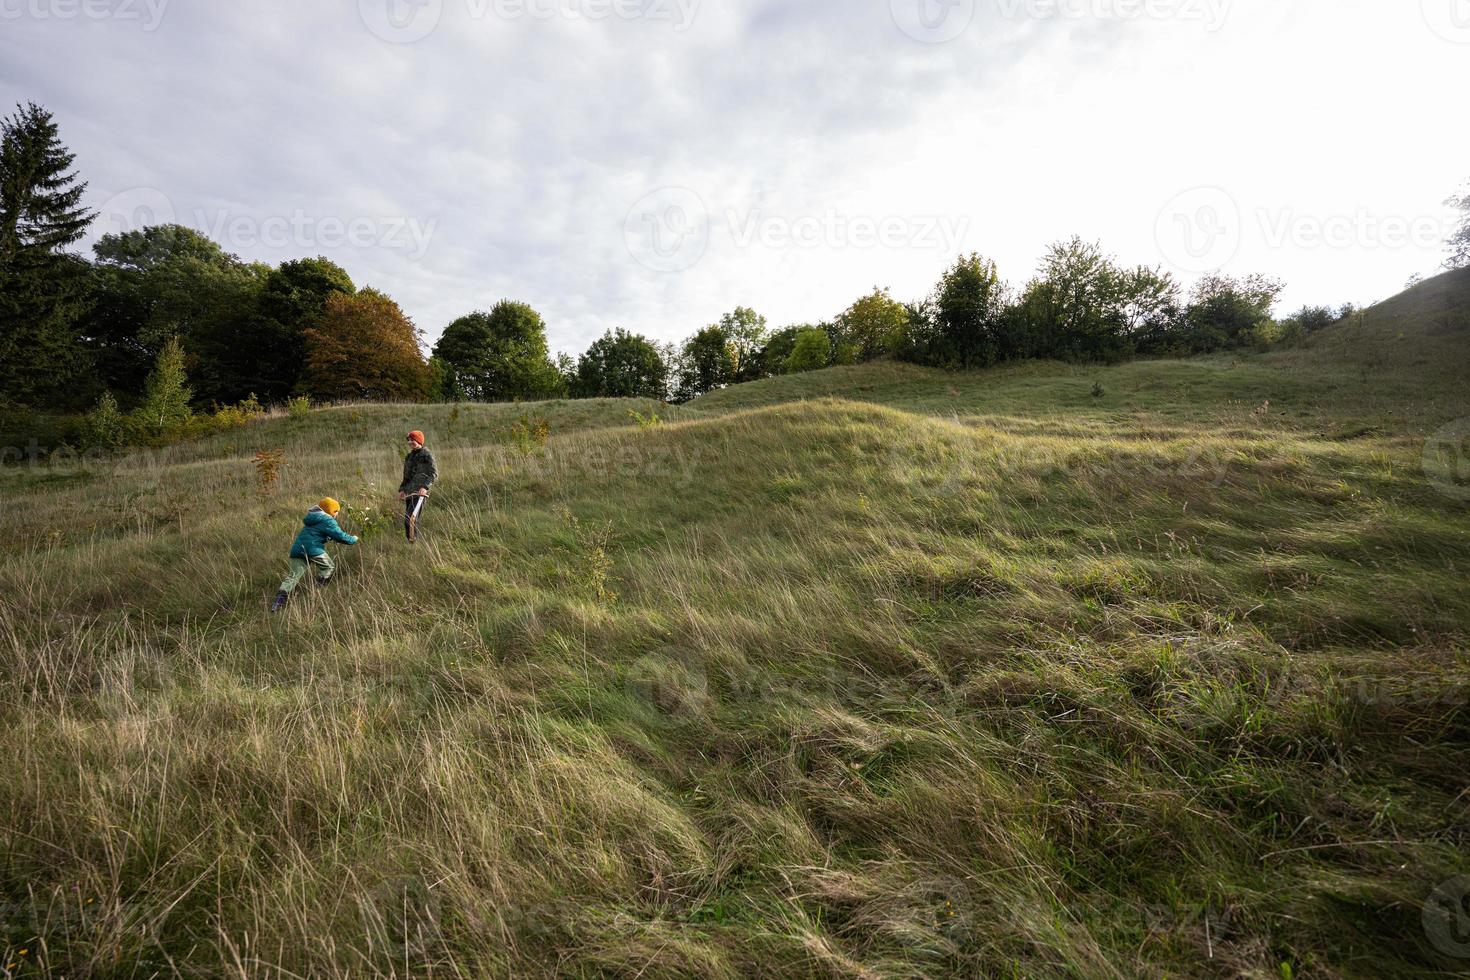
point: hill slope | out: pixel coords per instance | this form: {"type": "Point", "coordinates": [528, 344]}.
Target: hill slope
{"type": "Point", "coordinates": [925, 674]}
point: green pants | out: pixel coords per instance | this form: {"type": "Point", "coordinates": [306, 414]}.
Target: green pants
{"type": "Point", "coordinates": [324, 570]}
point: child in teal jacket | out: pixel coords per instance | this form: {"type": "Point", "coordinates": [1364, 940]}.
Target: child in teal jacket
{"type": "Point", "coordinates": [310, 548]}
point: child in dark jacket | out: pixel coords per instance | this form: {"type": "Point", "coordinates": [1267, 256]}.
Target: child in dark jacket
{"type": "Point", "coordinates": [317, 528]}
{"type": "Point", "coordinates": [419, 474]}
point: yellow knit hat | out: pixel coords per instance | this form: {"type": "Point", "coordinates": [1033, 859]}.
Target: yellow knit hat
{"type": "Point", "coordinates": [330, 506]}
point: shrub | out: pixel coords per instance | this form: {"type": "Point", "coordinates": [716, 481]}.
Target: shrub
{"type": "Point", "coordinates": [268, 466]}
{"type": "Point", "coordinates": [298, 407]}
{"type": "Point", "coordinates": [105, 426]}
{"type": "Point", "coordinates": [1265, 334]}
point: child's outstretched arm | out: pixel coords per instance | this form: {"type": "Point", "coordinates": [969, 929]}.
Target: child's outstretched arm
{"type": "Point", "coordinates": [335, 532]}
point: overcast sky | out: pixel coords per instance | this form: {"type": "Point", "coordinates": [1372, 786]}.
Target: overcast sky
{"type": "Point", "coordinates": [651, 164]}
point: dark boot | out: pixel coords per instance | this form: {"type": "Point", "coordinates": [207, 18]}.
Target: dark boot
{"type": "Point", "coordinates": [279, 602]}
{"type": "Point", "coordinates": [325, 581]}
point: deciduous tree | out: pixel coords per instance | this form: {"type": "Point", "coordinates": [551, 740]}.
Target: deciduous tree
{"type": "Point", "coordinates": [364, 347]}
{"type": "Point", "coordinates": [499, 355]}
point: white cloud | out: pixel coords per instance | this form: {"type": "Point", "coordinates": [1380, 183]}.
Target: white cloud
{"type": "Point", "coordinates": [521, 142]}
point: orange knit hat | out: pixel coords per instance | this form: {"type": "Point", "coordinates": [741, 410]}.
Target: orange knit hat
{"type": "Point", "coordinates": [417, 436]}
{"type": "Point", "coordinates": [330, 506]}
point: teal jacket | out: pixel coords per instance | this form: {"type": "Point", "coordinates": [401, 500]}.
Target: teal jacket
{"type": "Point", "coordinates": [319, 527]}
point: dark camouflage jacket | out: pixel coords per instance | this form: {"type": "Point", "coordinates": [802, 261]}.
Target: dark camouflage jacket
{"type": "Point", "coordinates": [419, 471]}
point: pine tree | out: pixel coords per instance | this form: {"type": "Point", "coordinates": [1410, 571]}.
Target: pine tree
{"type": "Point", "coordinates": [166, 393]}
{"type": "Point", "coordinates": [40, 284]}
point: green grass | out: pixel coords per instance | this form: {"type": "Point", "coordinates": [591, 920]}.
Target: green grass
{"type": "Point", "coordinates": [876, 671]}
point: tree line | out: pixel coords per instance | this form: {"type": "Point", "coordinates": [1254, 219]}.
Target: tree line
{"type": "Point", "coordinates": [166, 302]}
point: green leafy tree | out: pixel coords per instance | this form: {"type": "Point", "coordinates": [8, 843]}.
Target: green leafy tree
{"type": "Point", "coordinates": [364, 347]}
{"type": "Point", "coordinates": [968, 304]}
{"type": "Point", "coordinates": [745, 333]}
{"type": "Point", "coordinates": [811, 351]}
{"type": "Point", "coordinates": [706, 362]}
{"type": "Point", "coordinates": [168, 281]}
{"type": "Point", "coordinates": [42, 288]}
{"type": "Point", "coordinates": [500, 355]}
{"type": "Point", "coordinates": [1073, 309]}
{"type": "Point", "coordinates": [921, 341]}
{"type": "Point", "coordinates": [1224, 310]}
{"type": "Point", "coordinates": [166, 392]}
{"type": "Point", "coordinates": [1150, 306]}
{"type": "Point", "coordinates": [621, 365]}
{"type": "Point", "coordinates": [777, 349]}
{"type": "Point", "coordinates": [874, 325]}
{"type": "Point", "coordinates": [292, 300]}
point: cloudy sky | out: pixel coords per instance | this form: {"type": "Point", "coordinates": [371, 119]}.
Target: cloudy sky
{"type": "Point", "coordinates": [653, 163]}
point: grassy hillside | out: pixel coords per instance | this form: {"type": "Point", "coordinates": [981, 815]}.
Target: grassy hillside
{"type": "Point", "coordinates": [871, 672]}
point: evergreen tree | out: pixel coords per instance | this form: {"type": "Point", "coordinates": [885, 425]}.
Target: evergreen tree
{"type": "Point", "coordinates": [41, 286]}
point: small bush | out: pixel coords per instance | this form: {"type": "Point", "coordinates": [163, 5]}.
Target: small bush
{"type": "Point", "coordinates": [106, 427]}
{"type": "Point", "coordinates": [268, 466]}
{"type": "Point", "coordinates": [367, 518]}
{"type": "Point", "coordinates": [298, 407]}
{"type": "Point", "coordinates": [529, 434]}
